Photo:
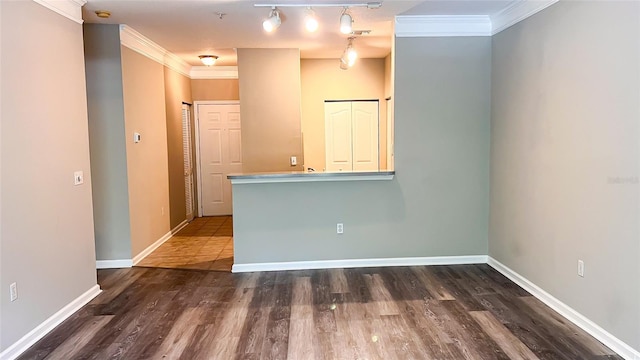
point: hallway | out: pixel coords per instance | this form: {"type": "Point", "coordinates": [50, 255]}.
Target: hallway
{"type": "Point", "coordinates": [204, 244]}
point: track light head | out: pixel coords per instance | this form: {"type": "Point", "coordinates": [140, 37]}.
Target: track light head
{"type": "Point", "coordinates": [273, 22]}
{"type": "Point", "coordinates": [349, 56]}
{"type": "Point", "coordinates": [310, 20]}
{"type": "Point", "coordinates": [346, 22]}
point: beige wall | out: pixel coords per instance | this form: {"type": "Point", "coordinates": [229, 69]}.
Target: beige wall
{"type": "Point", "coordinates": [270, 109]}
{"type": "Point", "coordinates": [147, 164]}
{"type": "Point", "coordinates": [324, 80]}
{"type": "Point", "coordinates": [565, 157]}
{"type": "Point", "coordinates": [46, 229]}
{"type": "Point", "coordinates": [177, 89]}
{"type": "Point", "coordinates": [216, 89]}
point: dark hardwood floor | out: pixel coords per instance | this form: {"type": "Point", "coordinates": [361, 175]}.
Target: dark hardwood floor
{"type": "Point", "coordinates": [435, 312]}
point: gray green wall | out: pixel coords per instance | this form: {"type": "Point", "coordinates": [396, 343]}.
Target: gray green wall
{"type": "Point", "coordinates": [107, 134]}
{"type": "Point", "coordinates": [565, 157]}
{"type": "Point", "coordinates": [46, 228]}
{"type": "Point", "coordinates": [438, 203]}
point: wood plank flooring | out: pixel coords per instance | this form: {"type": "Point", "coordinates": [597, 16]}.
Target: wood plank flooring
{"type": "Point", "coordinates": [435, 312]}
{"type": "Point", "coordinates": [206, 243]}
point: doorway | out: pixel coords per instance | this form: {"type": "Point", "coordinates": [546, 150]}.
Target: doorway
{"type": "Point", "coordinates": [351, 135]}
{"type": "Point", "coordinates": [218, 154]}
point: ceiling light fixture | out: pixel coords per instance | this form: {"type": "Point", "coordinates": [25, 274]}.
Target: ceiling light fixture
{"type": "Point", "coordinates": [103, 14]}
{"type": "Point", "coordinates": [208, 60]}
{"type": "Point", "coordinates": [346, 22]}
{"type": "Point", "coordinates": [273, 22]}
{"type": "Point", "coordinates": [310, 20]}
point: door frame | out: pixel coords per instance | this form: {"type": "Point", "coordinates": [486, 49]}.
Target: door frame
{"type": "Point", "coordinates": [196, 105]}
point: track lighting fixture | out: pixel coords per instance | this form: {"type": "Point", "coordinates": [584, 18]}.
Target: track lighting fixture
{"type": "Point", "coordinates": [349, 56]}
{"type": "Point", "coordinates": [208, 60]}
{"type": "Point", "coordinates": [273, 22]}
{"type": "Point", "coordinates": [346, 22]}
{"type": "Point", "coordinates": [310, 20]}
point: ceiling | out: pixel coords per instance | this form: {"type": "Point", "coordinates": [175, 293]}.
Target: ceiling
{"type": "Point", "coordinates": [189, 28]}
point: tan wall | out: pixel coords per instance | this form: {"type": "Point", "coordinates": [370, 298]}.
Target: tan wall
{"type": "Point", "coordinates": [177, 89]}
{"type": "Point", "coordinates": [270, 108]}
{"type": "Point", "coordinates": [218, 89]}
{"type": "Point", "coordinates": [47, 241]}
{"type": "Point", "coordinates": [324, 80]}
{"type": "Point", "coordinates": [147, 163]}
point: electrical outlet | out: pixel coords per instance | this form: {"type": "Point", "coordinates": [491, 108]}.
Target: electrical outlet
{"type": "Point", "coordinates": [340, 228]}
{"type": "Point", "coordinates": [580, 268]}
{"type": "Point", "coordinates": [78, 178]}
{"type": "Point", "coordinates": [13, 291]}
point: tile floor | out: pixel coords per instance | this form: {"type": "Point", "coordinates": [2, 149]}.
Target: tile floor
{"type": "Point", "coordinates": [205, 244]}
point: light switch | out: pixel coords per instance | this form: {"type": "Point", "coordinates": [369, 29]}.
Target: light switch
{"type": "Point", "coordinates": [294, 161]}
{"type": "Point", "coordinates": [78, 178]}
{"type": "Point", "coordinates": [137, 137]}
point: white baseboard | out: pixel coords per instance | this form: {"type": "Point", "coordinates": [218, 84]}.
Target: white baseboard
{"type": "Point", "coordinates": [127, 263]}
{"type": "Point", "coordinates": [359, 263]}
{"type": "Point", "coordinates": [144, 253]}
{"type": "Point", "coordinates": [114, 264]}
{"type": "Point", "coordinates": [615, 344]}
{"type": "Point", "coordinates": [20, 346]}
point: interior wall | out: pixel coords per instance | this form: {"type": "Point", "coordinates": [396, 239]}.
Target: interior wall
{"type": "Point", "coordinates": [270, 109]}
{"type": "Point", "coordinates": [177, 88]}
{"type": "Point", "coordinates": [324, 80]}
{"type": "Point", "coordinates": [565, 157]}
{"type": "Point", "coordinates": [147, 162]}
{"type": "Point", "coordinates": [215, 89]}
{"type": "Point", "coordinates": [107, 141]}
{"type": "Point", "coordinates": [438, 202]}
{"type": "Point", "coordinates": [46, 229]}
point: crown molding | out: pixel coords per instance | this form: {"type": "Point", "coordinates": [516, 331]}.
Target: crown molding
{"type": "Point", "coordinates": [442, 25]}
{"type": "Point", "coordinates": [517, 12]}
{"type": "Point", "coordinates": [145, 46]}
{"type": "Point", "coordinates": [468, 25]}
{"type": "Point", "coordinates": [71, 9]}
{"type": "Point", "coordinates": [214, 72]}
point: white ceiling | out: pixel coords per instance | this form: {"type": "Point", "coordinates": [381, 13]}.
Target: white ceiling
{"type": "Point", "coordinates": [189, 28]}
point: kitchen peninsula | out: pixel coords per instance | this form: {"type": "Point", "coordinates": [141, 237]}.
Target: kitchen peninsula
{"type": "Point", "coordinates": [288, 220]}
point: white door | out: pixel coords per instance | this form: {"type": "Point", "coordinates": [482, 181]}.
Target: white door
{"type": "Point", "coordinates": [188, 168]}
{"type": "Point", "coordinates": [220, 154]}
{"type": "Point", "coordinates": [365, 128]}
{"type": "Point", "coordinates": [338, 136]}
{"type": "Point", "coordinates": [351, 136]}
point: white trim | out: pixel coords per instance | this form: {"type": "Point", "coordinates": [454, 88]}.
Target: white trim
{"type": "Point", "coordinates": [517, 12]}
{"type": "Point", "coordinates": [360, 263]}
{"type": "Point", "coordinates": [71, 9]}
{"type": "Point", "coordinates": [114, 264]}
{"type": "Point", "coordinates": [145, 46]}
{"type": "Point", "coordinates": [309, 177]}
{"type": "Point", "coordinates": [468, 25]}
{"type": "Point", "coordinates": [442, 25]}
{"type": "Point", "coordinates": [20, 346]}
{"type": "Point", "coordinates": [213, 72]}
{"type": "Point", "coordinates": [196, 121]}
{"type": "Point", "coordinates": [144, 253]}
{"type": "Point", "coordinates": [615, 344]}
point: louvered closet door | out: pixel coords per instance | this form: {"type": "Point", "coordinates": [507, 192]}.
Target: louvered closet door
{"type": "Point", "coordinates": [188, 168]}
